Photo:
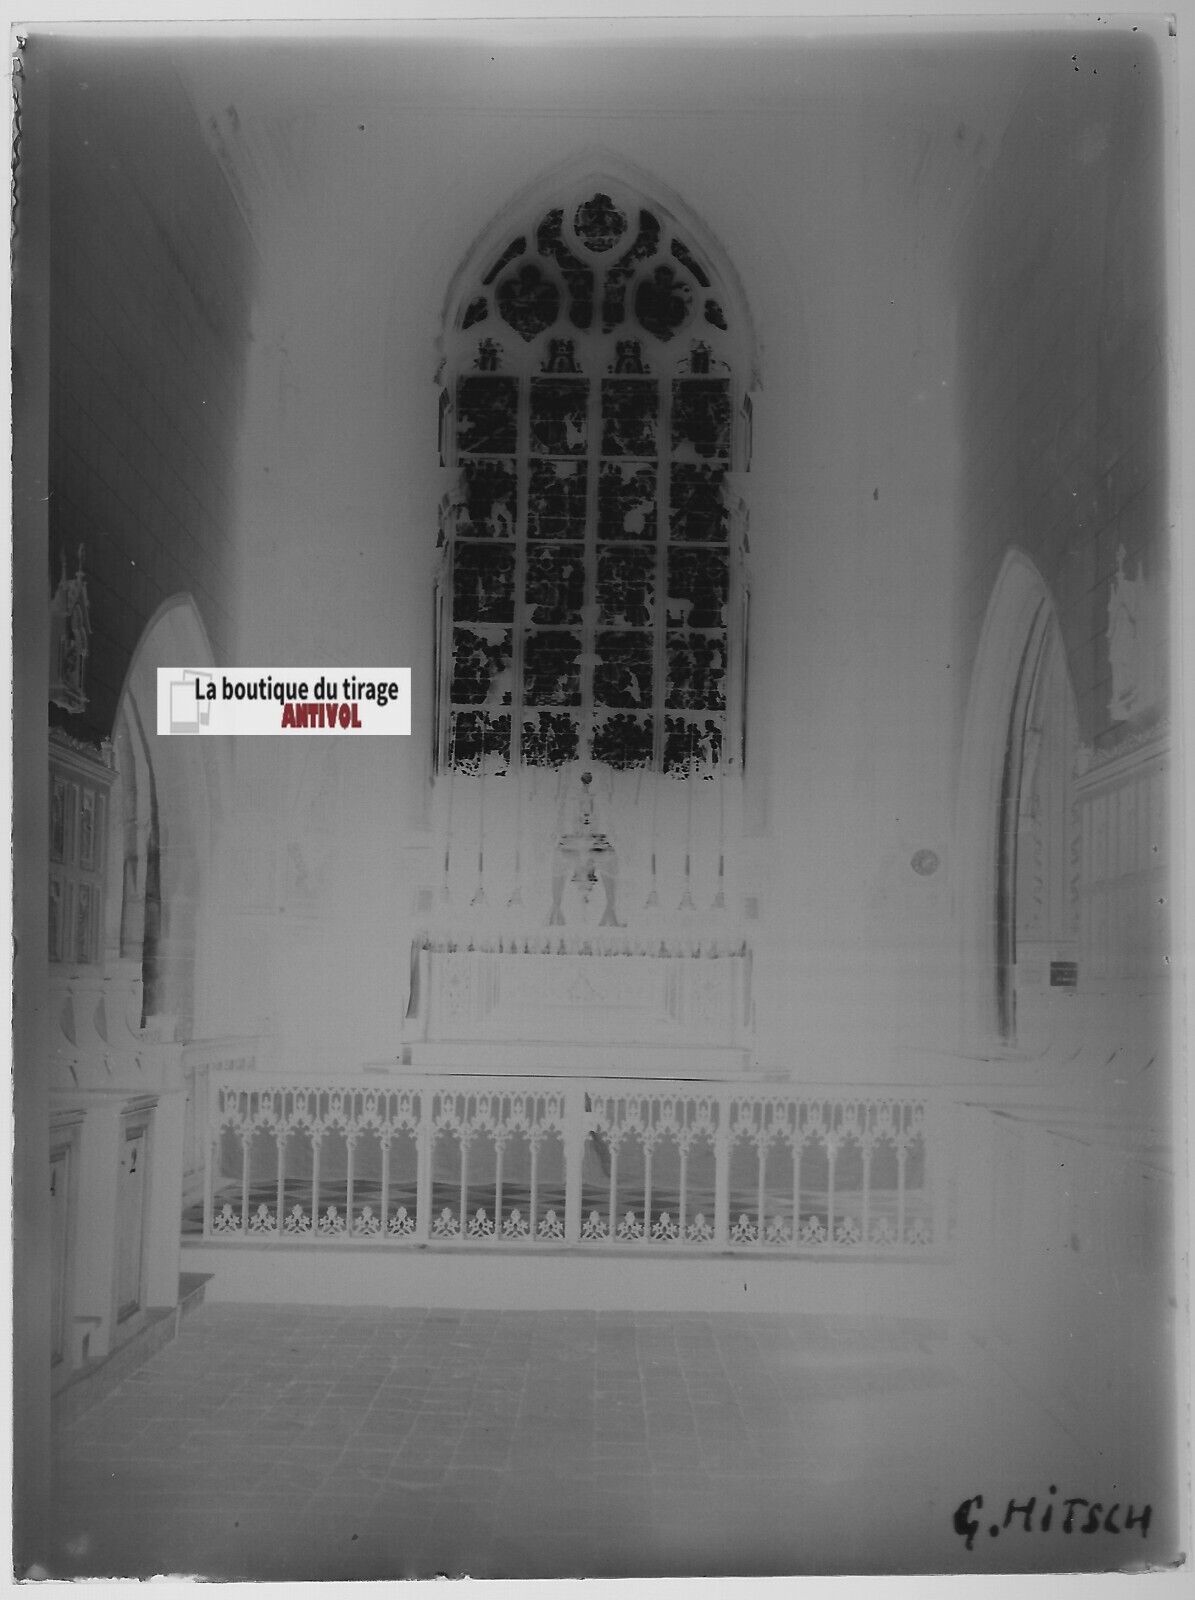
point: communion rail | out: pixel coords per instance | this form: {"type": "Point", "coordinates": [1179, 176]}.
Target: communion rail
{"type": "Point", "coordinates": [202, 1058]}
{"type": "Point", "coordinates": [592, 1164]}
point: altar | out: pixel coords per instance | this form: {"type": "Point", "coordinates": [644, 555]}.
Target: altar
{"type": "Point", "coordinates": [581, 1002]}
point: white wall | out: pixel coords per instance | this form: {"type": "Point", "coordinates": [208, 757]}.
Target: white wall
{"type": "Point", "coordinates": [834, 180]}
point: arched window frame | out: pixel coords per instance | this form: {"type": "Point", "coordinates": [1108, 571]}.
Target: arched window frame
{"type": "Point", "coordinates": [1038, 844]}
{"type": "Point", "coordinates": [1019, 755]}
{"type": "Point", "coordinates": [593, 289]}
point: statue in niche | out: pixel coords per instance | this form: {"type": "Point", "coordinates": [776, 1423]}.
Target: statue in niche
{"type": "Point", "coordinates": [70, 639]}
{"type": "Point", "coordinates": [1130, 644]}
{"type": "Point", "coordinates": [584, 852]}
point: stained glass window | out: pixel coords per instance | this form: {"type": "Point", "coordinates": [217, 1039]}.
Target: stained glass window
{"type": "Point", "coordinates": [594, 416]}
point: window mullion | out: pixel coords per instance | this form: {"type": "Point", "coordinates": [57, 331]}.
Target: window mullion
{"type": "Point", "coordinates": [663, 507]}
{"type": "Point", "coordinates": [520, 618]}
{"type": "Point", "coordinates": [591, 366]}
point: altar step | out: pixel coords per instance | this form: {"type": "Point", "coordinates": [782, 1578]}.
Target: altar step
{"type": "Point", "coordinates": [600, 1059]}
{"type": "Point", "coordinates": [345, 1273]}
{"type": "Point", "coordinates": [90, 1383]}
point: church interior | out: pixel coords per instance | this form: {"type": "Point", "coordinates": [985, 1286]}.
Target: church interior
{"type": "Point", "coordinates": [757, 443]}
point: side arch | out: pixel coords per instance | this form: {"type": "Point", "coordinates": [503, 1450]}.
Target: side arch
{"type": "Point", "coordinates": [164, 822]}
{"type": "Point", "coordinates": [1020, 700]}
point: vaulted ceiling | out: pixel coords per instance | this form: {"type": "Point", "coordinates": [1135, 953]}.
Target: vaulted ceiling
{"type": "Point", "coordinates": [293, 118]}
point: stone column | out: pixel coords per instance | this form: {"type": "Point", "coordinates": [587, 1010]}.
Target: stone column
{"type": "Point", "coordinates": [164, 1201]}
{"type": "Point", "coordinates": [95, 1236]}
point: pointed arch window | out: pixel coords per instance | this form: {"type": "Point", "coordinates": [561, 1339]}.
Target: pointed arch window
{"type": "Point", "coordinates": [1038, 840]}
{"type": "Point", "coordinates": [595, 421]}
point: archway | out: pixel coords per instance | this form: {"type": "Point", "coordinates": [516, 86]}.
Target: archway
{"type": "Point", "coordinates": [1015, 825]}
{"type": "Point", "coordinates": [165, 817]}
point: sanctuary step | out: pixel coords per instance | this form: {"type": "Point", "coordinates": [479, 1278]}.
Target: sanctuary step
{"type": "Point", "coordinates": [96, 1379]}
{"type": "Point", "coordinates": [570, 1059]}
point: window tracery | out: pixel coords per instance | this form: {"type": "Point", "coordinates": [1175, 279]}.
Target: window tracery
{"type": "Point", "coordinates": [594, 417]}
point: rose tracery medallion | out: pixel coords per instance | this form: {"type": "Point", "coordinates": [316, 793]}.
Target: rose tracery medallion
{"type": "Point", "coordinates": [599, 224]}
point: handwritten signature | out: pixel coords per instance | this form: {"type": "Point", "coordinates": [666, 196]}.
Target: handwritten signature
{"type": "Point", "coordinates": [1076, 1515]}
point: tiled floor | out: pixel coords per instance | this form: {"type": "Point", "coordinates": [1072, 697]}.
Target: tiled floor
{"type": "Point", "coordinates": [284, 1442]}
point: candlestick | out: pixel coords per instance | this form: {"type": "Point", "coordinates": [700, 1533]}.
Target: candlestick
{"type": "Point", "coordinates": [516, 897]}
{"type": "Point", "coordinates": [653, 898]}
{"type": "Point", "coordinates": [479, 897]}
{"type": "Point", "coordinates": [446, 893]}
{"type": "Point", "coordinates": [687, 899]}
{"type": "Point", "coordinates": [720, 897]}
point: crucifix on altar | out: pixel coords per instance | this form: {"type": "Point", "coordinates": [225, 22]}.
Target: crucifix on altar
{"type": "Point", "coordinates": [583, 852]}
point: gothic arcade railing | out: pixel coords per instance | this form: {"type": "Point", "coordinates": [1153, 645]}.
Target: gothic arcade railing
{"type": "Point", "coordinates": [588, 1163]}
{"type": "Point", "coordinates": [201, 1058]}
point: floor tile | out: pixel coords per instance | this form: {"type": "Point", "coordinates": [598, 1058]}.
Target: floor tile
{"type": "Point", "coordinates": [313, 1442]}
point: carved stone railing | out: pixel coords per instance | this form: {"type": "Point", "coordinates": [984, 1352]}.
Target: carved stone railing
{"type": "Point", "coordinates": [200, 1059]}
{"type": "Point", "coordinates": [592, 1164]}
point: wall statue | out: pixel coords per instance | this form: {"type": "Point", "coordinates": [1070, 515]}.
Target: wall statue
{"type": "Point", "coordinates": [70, 640]}
{"type": "Point", "coordinates": [1133, 643]}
